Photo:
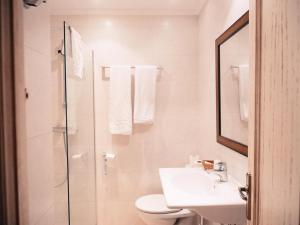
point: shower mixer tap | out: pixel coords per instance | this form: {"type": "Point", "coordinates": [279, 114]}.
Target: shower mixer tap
{"type": "Point", "coordinates": [106, 157]}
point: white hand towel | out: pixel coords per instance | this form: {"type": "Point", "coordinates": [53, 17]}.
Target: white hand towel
{"type": "Point", "coordinates": [244, 91]}
{"type": "Point", "coordinates": [77, 55]}
{"type": "Point", "coordinates": [145, 92]}
{"type": "Point", "coordinates": [120, 114]}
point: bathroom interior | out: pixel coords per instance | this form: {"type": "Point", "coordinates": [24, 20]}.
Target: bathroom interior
{"type": "Point", "coordinates": [137, 112]}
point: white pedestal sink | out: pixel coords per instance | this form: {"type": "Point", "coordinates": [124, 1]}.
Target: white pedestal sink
{"type": "Point", "coordinates": [197, 190]}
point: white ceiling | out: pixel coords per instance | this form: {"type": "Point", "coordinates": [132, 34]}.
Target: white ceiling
{"type": "Point", "coordinates": [150, 7]}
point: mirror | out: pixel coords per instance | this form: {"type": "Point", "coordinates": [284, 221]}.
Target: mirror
{"type": "Point", "coordinates": [233, 86]}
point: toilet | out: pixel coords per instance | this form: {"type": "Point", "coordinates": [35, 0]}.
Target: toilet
{"type": "Point", "coordinates": [154, 211]}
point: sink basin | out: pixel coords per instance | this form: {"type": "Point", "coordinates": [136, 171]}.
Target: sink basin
{"type": "Point", "coordinates": [197, 190]}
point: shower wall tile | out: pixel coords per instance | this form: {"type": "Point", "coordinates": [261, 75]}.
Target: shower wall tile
{"type": "Point", "coordinates": [38, 85]}
{"type": "Point", "coordinates": [36, 27]}
{"type": "Point", "coordinates": [39, 155]}
{"type": "Point", "coordinates": [40, 175]}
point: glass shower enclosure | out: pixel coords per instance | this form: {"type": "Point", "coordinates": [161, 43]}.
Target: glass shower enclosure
{"type": "Point", "coordinates": [77, 189]}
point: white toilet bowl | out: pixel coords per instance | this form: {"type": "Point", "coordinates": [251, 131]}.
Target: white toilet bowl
{"type": "Point", "coordinates": [154, 211]}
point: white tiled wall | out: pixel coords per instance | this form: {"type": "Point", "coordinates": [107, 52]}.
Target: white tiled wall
{"type": "Point", "coordinates": [169, 41]}
{"type": "Point", "coordinates": [38, 115]}
{"type": "Point", "coordinates": [214, 19]}
{"type": "Point", "coordinates": [185, 115]}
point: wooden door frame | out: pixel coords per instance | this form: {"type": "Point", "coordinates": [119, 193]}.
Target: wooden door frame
{"type": "Point", "coordinates": [9, 213]}
{"type": "Point", "coordinates": [255, 112]}
{"type": "Point", "coordinates": [264, 19]}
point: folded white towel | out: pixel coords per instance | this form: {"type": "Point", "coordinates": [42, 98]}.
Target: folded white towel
{"type": "Point", "coordinates": [120, 113]}
{"type": "Point", "coordinates": [145, 92]}
{"type": "Point", "coordinates": [77, 54]}
{"type": "Point", "coordinates": [244, 91]}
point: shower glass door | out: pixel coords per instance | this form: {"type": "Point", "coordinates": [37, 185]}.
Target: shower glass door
{"type": "Point", "coordinates": [80, 138]}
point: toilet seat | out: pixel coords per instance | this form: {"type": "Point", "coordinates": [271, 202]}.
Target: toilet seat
{"type": "Point", "coordinates": [154, 204]}
{"type": "Point", "coordinates": [153, 210]}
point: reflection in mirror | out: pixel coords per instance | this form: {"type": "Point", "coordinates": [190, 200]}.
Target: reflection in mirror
{"type": "Point", "coordinates": [233, 86]}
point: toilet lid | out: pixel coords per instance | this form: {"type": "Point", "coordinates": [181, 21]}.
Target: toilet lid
{"type": "Point", "coordinates": [155, 204]}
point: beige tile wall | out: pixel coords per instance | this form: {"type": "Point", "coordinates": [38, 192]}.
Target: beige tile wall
{"type": "Point", "coordinates": [38, 115]}
{"type": "Point", "coordinates": [185, 114]}
{"type": "Point", "coordinates": [214, 19]}
{"type": "Point", "coordinates": [171, 42]}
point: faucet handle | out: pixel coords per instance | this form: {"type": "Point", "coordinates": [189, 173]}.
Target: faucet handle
{"type": "Point", "coordinates": [220, 166]}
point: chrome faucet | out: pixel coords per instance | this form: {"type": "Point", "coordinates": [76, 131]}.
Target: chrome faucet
{"type": "Point", "coordinates": [220, 169]}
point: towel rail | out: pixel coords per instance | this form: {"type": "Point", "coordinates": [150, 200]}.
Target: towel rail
{"type": "Point", "coordinates": [159, 68]}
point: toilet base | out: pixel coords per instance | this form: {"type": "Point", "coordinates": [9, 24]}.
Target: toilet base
{"type": "Point", "coordinates": [149, 220]}
{"type": "Point", "coordinates": [154, 211]}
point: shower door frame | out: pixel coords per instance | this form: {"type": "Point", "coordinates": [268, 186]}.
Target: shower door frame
{"type": "Point", "coordinates": [9, 212]}
{"type": "Point", "coordinates": [66, 122]}
{"type": "Point", "coordinates": [65, 52]}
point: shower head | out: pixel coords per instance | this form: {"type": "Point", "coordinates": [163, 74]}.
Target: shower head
{"type": "Point", "coordinates": [33, 2]}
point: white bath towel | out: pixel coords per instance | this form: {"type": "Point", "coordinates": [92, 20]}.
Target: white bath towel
{"type": "Point", "coordinates": [244, 91]}
{"type": "Point", "coordinates": [145, 92]}
{"type": "Point", "coordinates": [120, 109]}
{"type": "Point", "coordinates": [77, 54]}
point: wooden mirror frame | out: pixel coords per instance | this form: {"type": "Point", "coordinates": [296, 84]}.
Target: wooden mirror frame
{"type": "Point", "coordinates": [232, 30]}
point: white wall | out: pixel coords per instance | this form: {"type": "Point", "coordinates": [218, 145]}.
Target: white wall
{"type": "Point", "coordinates": [169, 41]}
{"type": "Point", "coordinates": [185, 117]}
{"type": "Point", "coordinates": [38, 115]}
{"type": "Point", "coordinates": [214, 19]}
